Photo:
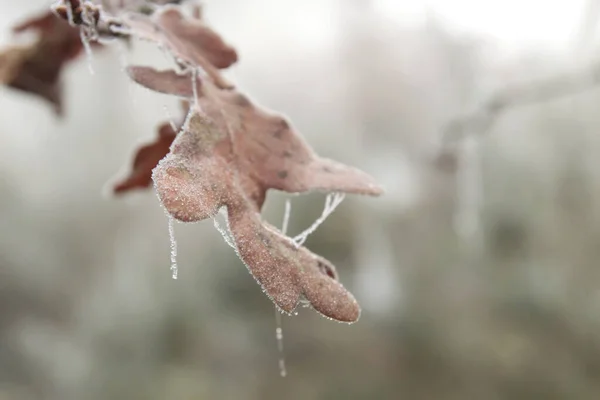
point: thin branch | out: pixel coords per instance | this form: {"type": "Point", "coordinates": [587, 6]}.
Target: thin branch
{"type": "Point", "coordinates": [533, 92]}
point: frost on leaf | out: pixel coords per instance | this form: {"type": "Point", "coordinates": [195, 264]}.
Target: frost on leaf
{"type": "Point", "coordinates": [189, 39]}
{"type": "Point", "coordinates": [229, 153]}
{"type": "Point", "coordinates": [36, 68]}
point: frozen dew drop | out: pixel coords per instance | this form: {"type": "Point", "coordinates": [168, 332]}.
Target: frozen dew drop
{"type": "Point", "coordinates": [279, 333]}
{"type": "Point", "coordinates": [278, 322]}
{"type": "Point", "coordinates": [279, 337]}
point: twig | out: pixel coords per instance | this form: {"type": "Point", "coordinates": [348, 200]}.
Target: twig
{"type": "Point", "coordinates": [534, 92]}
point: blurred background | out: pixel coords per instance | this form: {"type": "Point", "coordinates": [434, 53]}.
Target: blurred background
{"type": "Point", "coordinates": [478, 276]}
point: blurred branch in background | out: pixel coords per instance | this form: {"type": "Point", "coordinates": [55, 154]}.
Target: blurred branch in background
{"type": "Point", "coordinates": [479, 121]}
{"type": "Point", "coordinates": [487, 111]}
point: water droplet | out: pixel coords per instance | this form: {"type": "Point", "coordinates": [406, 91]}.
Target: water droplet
{"type": "Point", "coordinates": [279, 337]}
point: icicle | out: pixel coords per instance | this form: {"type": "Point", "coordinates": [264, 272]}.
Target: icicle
{"type": "Point", "coordinates": [170, 118]}
{"type": "Point", "coordinates": [174, 269]}
{"type": "Point", "coordinates": [89, 24]}
{"type": "Point", "coordinates": [195, 85]}
{"type": "Point", "coordinates": [187, 119]}
{"type": "Point", "coordinates": [88, 50]}
{"type": "Point", "coordinates": [224, 231]}
{"type": "Point", "coordinates": [279, 337]}
{"type": "Point", "coordinates": [69, 13]}
{"type": "Point", "coordinates": [278, 322]}
{"type": "Point", "coordinates": [87, 32]}
{"type": "Point", "coordinates": [331, 202]}
{"type": "Point", "coordinates": [286, 216]}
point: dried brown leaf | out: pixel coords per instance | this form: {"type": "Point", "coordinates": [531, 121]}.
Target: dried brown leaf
{"type": "Point", "coordinates": [36, 68]}
{"type": "Point", "coordinates": [189, 39]}
{"type": "Point", "coordinates": [146, 158]}
{"type": "Point", "coordinates": [229, 153]}
{"type": "Point", "coordinates": [200, 175]}
{"type": "Point", "coordinates": [267, 148]}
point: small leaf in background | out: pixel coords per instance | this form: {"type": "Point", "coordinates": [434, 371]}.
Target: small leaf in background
{"type": "Point", "coordinates": [36, 68]}
{"type": "Point", "coordinates": [146, 158]}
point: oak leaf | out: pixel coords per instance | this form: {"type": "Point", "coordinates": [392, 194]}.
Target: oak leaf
{"type": "Point", "coordinates": [193, 43]}
{"type": "Point", "coordinates": [36, 68]}
{"type": "Point", "coordinates": [228, 154]}
{"type": "Point", "coordinates": [146, 158]}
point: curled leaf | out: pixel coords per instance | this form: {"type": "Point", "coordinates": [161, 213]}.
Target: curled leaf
{"type": "Point", "coordinates": [288, 273]}
{"type": "Point", "coordinates": [267, 148]}
{"type": "Point", "coordinates": [200, 175]}
{"type": "Point", "coordinates": [229, 153]}
{"type": "Point", "coordinates": [146, 158]}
